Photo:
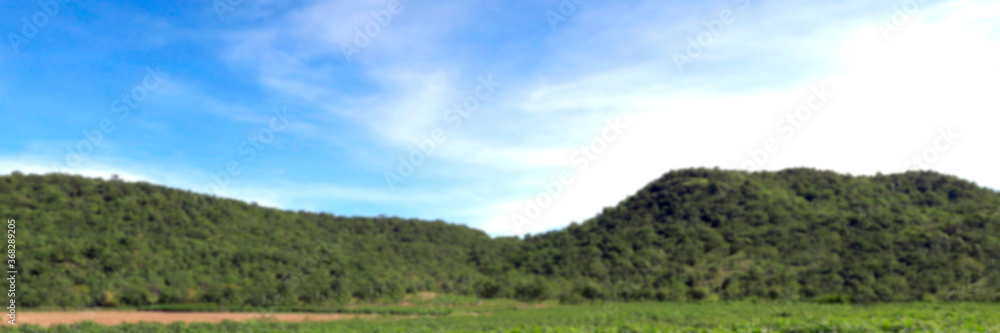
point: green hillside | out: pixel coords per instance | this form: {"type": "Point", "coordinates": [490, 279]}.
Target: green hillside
{"type": "Point", "coordinates": [799, 233]}
{"type": "Point", "coordinates": [88, 242]}
{"type": "Point", "coordinates": [692, 234]}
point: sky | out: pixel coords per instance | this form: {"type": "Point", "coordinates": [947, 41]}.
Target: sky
{"type": "Point", "coordinates": [511, 116]}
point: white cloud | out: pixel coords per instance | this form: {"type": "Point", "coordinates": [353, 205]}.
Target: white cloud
{"type": "Point", "coordinates": [891, 98]}
{"type": "Point", "coordinates": [939, 70]}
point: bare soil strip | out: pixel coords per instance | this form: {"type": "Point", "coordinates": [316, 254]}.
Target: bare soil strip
{"type": "Point", "coordinates": [120, 317]}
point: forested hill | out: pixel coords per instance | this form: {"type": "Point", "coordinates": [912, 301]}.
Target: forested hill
{"type": "Point", "coordinates": [85, 242]}
{"type": "Point", "coordinates": [798, 233]}
{"type": "Point", "coordinates": [692, 234]}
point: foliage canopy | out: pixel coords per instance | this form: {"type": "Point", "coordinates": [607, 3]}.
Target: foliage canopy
{"type": "Point", "coordinates": [701, 234]}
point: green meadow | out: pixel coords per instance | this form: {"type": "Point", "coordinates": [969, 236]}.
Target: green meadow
{"type": "Point", "coordinates": [513, 317]}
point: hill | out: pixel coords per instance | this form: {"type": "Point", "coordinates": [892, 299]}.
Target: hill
{"type": "Point", "coordinates": [798, 233]}
{"type": "Point", "coordinates": [89, 242]}
{"type": "Point", "coordinates": [692, 234]}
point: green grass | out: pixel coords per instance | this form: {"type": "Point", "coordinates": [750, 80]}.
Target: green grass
{"type": "Point", "coordinates": [631, 317]}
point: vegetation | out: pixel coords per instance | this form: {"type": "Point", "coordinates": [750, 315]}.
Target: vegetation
{"type": "Point", "coordinates": [697, 234]}
{"type": "Point", "coordinates": [794, 234]}
{"type": "Point", "coordinates": [627, 317]}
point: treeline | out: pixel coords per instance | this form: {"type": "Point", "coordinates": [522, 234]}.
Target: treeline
{"type": "Point", "coordinates": [697, 234]}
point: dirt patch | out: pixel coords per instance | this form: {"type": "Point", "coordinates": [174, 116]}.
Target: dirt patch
{"type": "Point", "coordinates": [427, 295]}
{"type": "Point", "coordinates": [119, 317]}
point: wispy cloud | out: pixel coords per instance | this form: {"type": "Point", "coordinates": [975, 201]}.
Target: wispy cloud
{"type": "Point", "coordinates": [357, 115]}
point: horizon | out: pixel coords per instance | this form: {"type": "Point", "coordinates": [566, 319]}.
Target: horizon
{"type": "Point", "coordinates": [466, 112]}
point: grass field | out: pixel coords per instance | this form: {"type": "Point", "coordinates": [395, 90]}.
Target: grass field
{"type": "Point", "coordinates": [620, 317]}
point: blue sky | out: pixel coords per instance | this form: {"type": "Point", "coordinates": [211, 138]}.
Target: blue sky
{"type": "Point", "coordinates": [510, 116]}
